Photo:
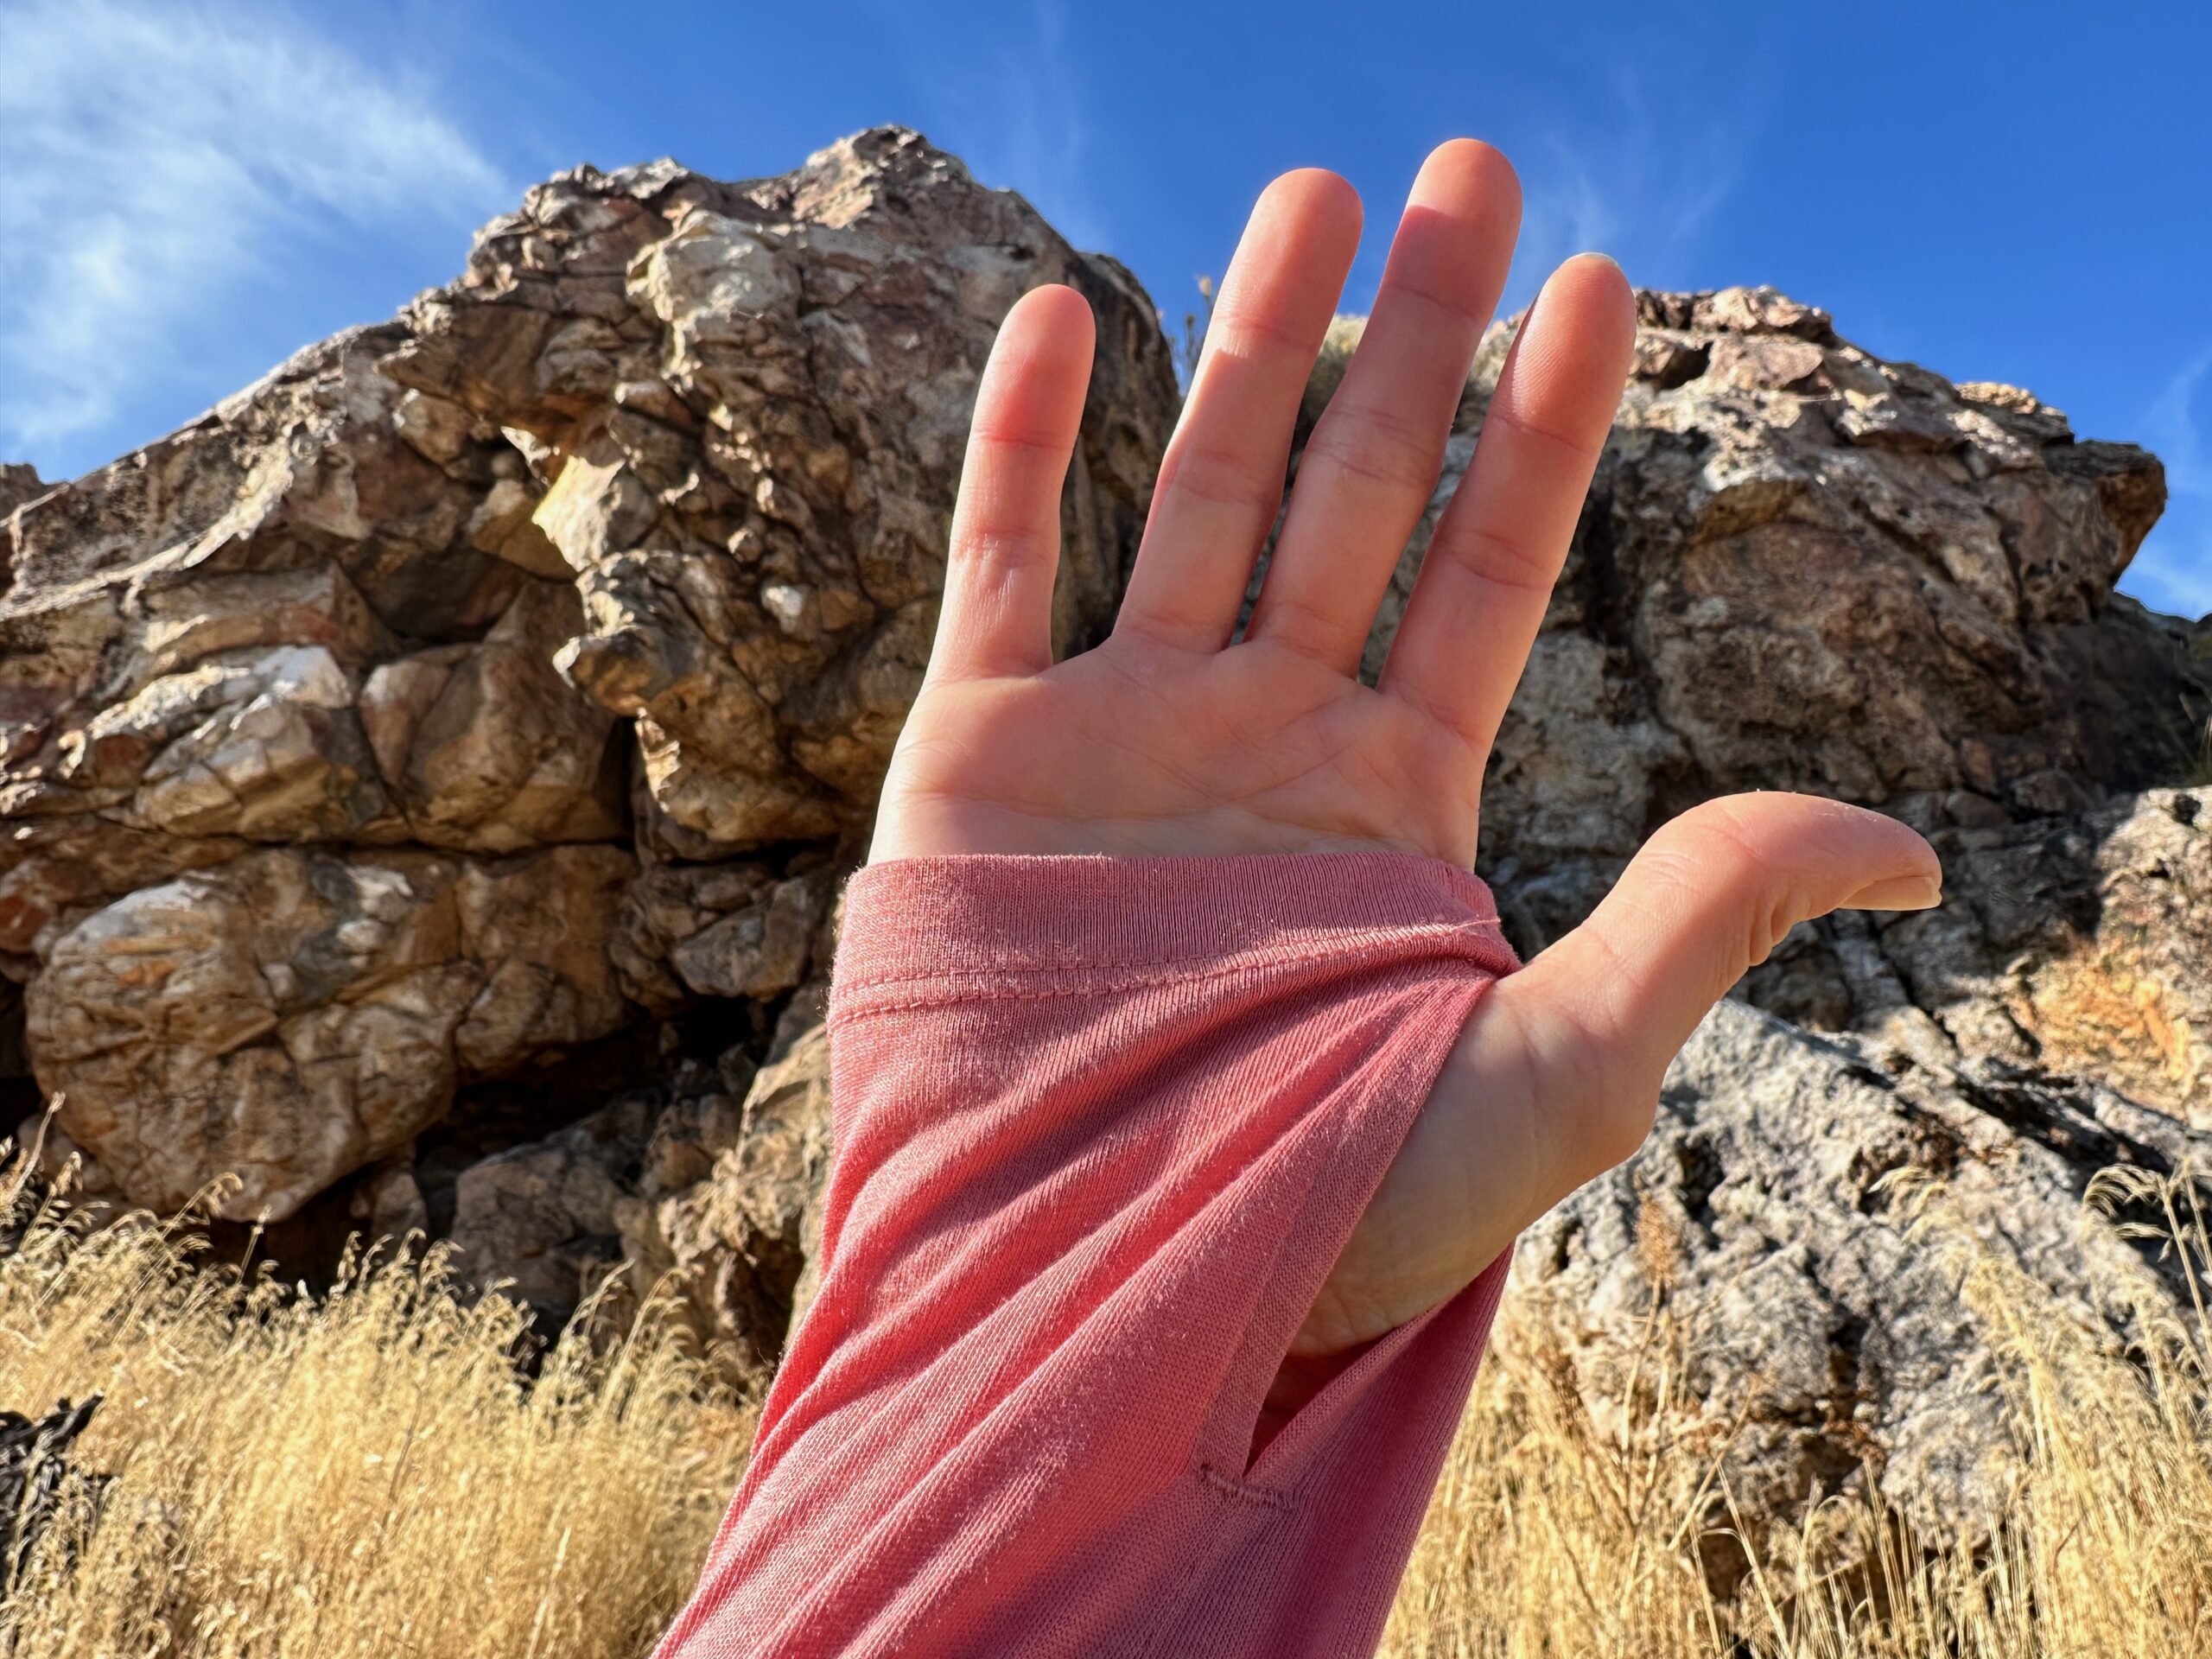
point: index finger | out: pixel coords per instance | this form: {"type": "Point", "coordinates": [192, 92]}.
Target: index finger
{"type": "Point", "coordinates": [997, 613]}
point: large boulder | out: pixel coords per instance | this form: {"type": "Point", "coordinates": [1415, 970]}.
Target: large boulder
{"type": "Point", "coordinates": [747, 404]}
{"type": "Point", "coordinates": [490, 679]}
{"type": "Point", "coordinates": [1804, 567]}
{"type": "Point", "coordinates": [495, 696]}
{"type": "Point", "coordinates": [294, 1015]}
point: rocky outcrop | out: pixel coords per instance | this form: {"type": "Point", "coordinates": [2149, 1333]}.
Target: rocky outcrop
{"type": "Point", "coordinates": [747, 404]}
{"type": "Point", "coordinates": [18, 484]}
{"type": "Point", "coordinates": [1830, 1336]}
{"type": "Point", "coordinates": [487, 680]}
{"type": "Point", "coordinates": [741, 1234]}
{"type": "Point", "coordinates": [292, 1016]}
{"type": "Point", "coordinates": [709, 1187]}
{"type": "Point", "coordinates": [1804, 567]}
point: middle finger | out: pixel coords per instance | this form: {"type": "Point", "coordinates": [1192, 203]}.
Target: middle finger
{"type": "Point", "coordinates": [1374, 459]}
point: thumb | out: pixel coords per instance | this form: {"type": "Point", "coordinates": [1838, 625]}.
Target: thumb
{"type": "Point", "coordinates": [1599, 1016]}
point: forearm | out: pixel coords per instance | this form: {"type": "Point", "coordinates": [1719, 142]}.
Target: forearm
{"type": "Point", "coordinates": [1102, 1128]}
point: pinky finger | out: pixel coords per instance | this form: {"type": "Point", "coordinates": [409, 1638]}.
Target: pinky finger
{"type": "Point", "coordinates": [1005, 551]}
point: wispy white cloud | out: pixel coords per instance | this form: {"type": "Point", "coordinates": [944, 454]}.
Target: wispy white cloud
{"type": "Point", "coordinates": [1638, 174]}
{"type": "Point", "coordinates": [1011, 102]}
{"type": "Point", "coordinates": [160, 157]}
{"type": "Point", "coordinates": [2172, 429]}
{"type": "Point", "coordinates": [2174, 570]}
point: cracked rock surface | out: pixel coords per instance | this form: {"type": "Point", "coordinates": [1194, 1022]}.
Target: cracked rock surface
{"type": "Point", "coordinates": [1804, 567]}
{"type": "Point", "coordinates": [1834, 1336]}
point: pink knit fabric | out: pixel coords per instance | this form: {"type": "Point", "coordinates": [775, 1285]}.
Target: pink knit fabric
{"type": "Point", "coordinates": [1102, 1126]}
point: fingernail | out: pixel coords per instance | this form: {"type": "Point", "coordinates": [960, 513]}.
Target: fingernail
{"type": "Point", "coordinates": [1898, 893]}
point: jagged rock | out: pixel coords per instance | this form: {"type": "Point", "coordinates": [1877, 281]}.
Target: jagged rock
{"type": "Point", "coordinates": [2080, 943]}
{"type": "Point", "coordinates": [737, 928]}
{"type": "Point", "coordinates": [1804, 566]}
{"type": "Point", "coordinates": [486, 748]}
{"type": "Point", "coordinates": [430, 707]}
{"type": "Point", "coordinates": [485, 680]}
{"type": "Point", "coordinates": [542, 1216]}
{"type": "Point", "coordinates": [198, 647]}
{"type": "Point", "coordinates": [742, 1231]}
{"type": "Point", "coordinates": [749, 402]}
{"type": "Point", "coordinates": [389, 1202]}
{"type": "Point", "coordinates": [292, 1016]}
{"type": "Point", "coordinates": [759, 951]}
{"type": "Point", "coordinates": [1834, 1337]}
{"type": "Point", "coordinates": [19, 483]}
{"type": "Point", "coordinates": [709, 1184]}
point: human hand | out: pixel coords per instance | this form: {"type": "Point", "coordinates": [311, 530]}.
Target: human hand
{"type": "Point", "coordinates": [1169, 739]}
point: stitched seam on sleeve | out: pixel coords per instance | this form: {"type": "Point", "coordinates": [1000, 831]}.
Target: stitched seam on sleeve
{"type": "Point", "coordinates": [951, 991]}
{"type": "Point", "coordinates": [1264, 1497]}
{"type": "Point", "coordinates": [1343, 943]}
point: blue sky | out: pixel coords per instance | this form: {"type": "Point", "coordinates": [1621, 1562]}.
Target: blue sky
{"type": "Point", "coordinates": [197, 187]}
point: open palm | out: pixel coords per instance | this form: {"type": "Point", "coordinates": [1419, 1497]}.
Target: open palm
{"type": "Point", "coordinates": [1172, 737]}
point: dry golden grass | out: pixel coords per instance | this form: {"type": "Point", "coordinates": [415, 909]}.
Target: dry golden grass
{"type": "Point", "coordinates": [363, 1474]}
{"type": "Point", "coordinates": [1551, 1535]}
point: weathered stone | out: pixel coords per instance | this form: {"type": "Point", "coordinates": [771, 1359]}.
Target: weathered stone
{"type": "Point", "coordinates": [2080, 943]}
{"type": "Point", "coordinates": [541, 1217]}
{"type": "Point", "coordinates": [1804, 566]}
{"type": "Point", "coordinates": [738, 928]}
{"type": "Point", "coordinates": [388, 1201]}
{"type": "Point", "coordinates": [266, 748]}
{"type": "Point", "coordinates": [759, 951]}
{"type": "Point", "coordinates": [1832, 1337]}
{"type": "Point", "coordinates": [291, 1016]}
{"type": "Point", "coordinates": [754, 398]}
{"type": "Point", "coordinates": [484, 747]}
{"type": "Point", "coordinates": [329, 721]}
{"type": "Point", "coordinates": [708, 1186]}
{"type": "Point", "coordinates": [741, 1234]}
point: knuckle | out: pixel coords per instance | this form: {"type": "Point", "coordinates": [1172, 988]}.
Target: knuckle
{"type": "Point", "coordinates": [1221, 476]}
{"type": "Point", "coordinates": [1502, 560]}
{"type": "Point", "coordinates": [1382, 448]}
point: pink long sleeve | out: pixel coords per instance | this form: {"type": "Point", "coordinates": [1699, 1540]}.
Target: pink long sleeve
{"type": "Point", "coordinates": [1102, 1126]}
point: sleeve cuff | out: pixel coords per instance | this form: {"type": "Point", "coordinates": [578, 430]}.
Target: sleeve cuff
{"type": "Point", "coordinates": [979, 922]}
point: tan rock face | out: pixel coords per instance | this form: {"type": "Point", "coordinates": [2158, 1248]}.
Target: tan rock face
{"type": "Point", "coordinates": [743, 1232]}
{"type": "Point", "coordinates": [484, 681]}
{"type": "Point", "coordinates": [488, 681]}
{"type": "Point", "coordinates": [292, 1016]}
{"type": "Point", "coordinates": [751, 401]}
{"type": "Point", "coordinates": [711, 1184]}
